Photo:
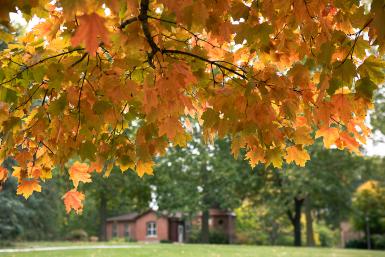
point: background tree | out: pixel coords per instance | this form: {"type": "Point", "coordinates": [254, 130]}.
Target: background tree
{"type": "Point", "coordinates": [323, 188]}
{"type": "Point", "coordinates": [196, 178]}
{"type": "Point", "coordinates": [368, 209]}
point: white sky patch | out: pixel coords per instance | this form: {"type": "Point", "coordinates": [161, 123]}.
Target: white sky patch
{"type": "Point", "coordinates": [375, 145]}
{"type": "Point", "coordinates": [18, 19]}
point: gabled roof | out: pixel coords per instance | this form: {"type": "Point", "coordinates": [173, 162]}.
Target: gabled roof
{"type": "Point", "coordinates": [125, 217]}
{"type": "Point", "coordinates": [135, 215]}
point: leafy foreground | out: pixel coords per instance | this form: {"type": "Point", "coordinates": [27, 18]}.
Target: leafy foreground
{"type": "Point", "coordinates": [96, 85]}
{"type": "Point", "coordinates": [165, 250]}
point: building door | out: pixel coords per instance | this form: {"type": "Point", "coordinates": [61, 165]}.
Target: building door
{"type": "Point", "coordinates": [180, 233]}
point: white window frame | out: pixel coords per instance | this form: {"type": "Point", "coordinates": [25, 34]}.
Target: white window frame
{"type": "Point", "coordinates": [151, 229]}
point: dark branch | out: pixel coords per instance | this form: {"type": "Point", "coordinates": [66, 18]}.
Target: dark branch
{"type": "Point", "coordinates": [170, 51]}
{"type": "Point", "coordinates": [39, 62]}
{"type": "Point", "coordinates": [127, 22]}
{"type": "Point", "coordinates": [143, 17]}
{"type": "Point", "coordinates": [31, 96]}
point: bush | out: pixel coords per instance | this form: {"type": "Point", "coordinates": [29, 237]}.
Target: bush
{"type": "Point", "coordinates": [77, 235]}
{"type": "Point", "coordinates": [5, 244]}
{"type": "Point", "coordinates": [94, 239]}
{"type": "Point", "coordinates": [326, 236]}
{"type": "Point", "coordinates": [129, 239]}
{"type": "Point", "coordinates": [378, 242]}
{"type": "Point", "coordinates": [217, 237]}
{"type": "Point", "coordinates": [357, 244]}
{"type": "Point", "coordinates": [165, 241]}
{"type": "Point", "coordinates": [118, 240]}
{"type": "Point", "coordinates": [285, 240]}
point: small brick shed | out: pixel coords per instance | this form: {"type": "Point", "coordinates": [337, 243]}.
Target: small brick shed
{"type": "Point", "coordinates": [152, 226]}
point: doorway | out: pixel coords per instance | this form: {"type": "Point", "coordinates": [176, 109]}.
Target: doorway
{"type": "Point", "coordinates": [180, 233]}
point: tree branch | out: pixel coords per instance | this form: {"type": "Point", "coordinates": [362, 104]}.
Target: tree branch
{"type": "Point", "coordinates": [143, 17]}
{"type": "Point", "coordinates": [170, 51]}
{"type": "Point", "coordinates": [39, 62]}
{"type": "Point", "coordinates": [127, 22]}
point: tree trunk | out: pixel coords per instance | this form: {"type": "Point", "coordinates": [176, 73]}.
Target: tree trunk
{"type": "Point", "coordinates": [296, 220]}
{"type": "Point", "coordinates": [309, 224]}
{"type": "Point", "coordinates": [205, 226]}
{"type": "Point", "coordinates": [102, 217]}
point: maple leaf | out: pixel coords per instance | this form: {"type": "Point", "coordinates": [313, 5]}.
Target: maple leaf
{"type": "Point", "coordinates": [73, 200]}
{"type": "Point", "coordinates": [297, 154]}
{"type": "Point", "coordinates": [96, 166]}
{"type": "Point", "coordinates": [302, 136]}
{"type": "Point", "coordinates": [3, 174]}
{"type": "Point", "coordinates": [144, 168]}
{"type": "Point", "coordinates": [91, 32]}
{"type": "Point", "coordinates": [255, 156]}
{"type": "Point", "coordinates": [330, 135]}
{"type": "Point", "coordinates": [79, 173]}
{"type": "Point", "coordinates": [274, 156]}
{"type": "Point", "coordinates": [27, 187]}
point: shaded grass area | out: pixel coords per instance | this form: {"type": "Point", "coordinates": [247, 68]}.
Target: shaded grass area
{"type": "Point", "coordinates": [188, 250]}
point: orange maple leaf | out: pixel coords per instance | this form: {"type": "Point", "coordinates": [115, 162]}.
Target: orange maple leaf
{"type": "Point", "coordinates": [96, 166]}
{"type": "Point", "coordinates": [298, 155]}
{"type": "Point", "coordinates": [90, 31]}
{"type": "Point", "coordinates": [73, 200]}
{"type": "Point", "coordinates": [330, 135]}
{"type": "Point", "coordinates": [3, 174]}
{"type": "Point", "coordinates": [79, 173]}
{"type": "Point", "coordinates": [26, 188]}
{"type": "Point", "coordinates": [255, 156]}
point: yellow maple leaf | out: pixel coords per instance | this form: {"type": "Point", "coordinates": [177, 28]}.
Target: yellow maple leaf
{"type": "Point", "coordinates": [330, 135]}
{"type": "Point", "coordinates": [27, 187]}
{"type": "Point", "coordinates": [298, 155]}
{"type": "Point", "coordinates": [144, 168]}
{"type": "Point", "coordinates": [274, 156]}
{"type": "Point", "coordinates": [79, 173]}
{"type": "Point", "coordinates": [302, 136]}
{"type": "Point", "coordinates": [73, 200]}
{"type": "Point", "coordinates": [91, 28]}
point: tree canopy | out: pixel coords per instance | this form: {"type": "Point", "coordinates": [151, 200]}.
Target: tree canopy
{"type": "Point", "coordinates": [103, 83]}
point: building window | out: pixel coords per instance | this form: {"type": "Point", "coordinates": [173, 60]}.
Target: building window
{"type": "Point", "coordinates": [151, 229]}
{"type": "Point", "coordinates": [114, 230]}
{"type": "Point", "coordinates": [220, 222]}
{"type": "Point", "coordinates": [126, 230]}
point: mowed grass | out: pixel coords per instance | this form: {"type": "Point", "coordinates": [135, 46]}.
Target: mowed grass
{"type": "Point", "coordinates": [188, 250]}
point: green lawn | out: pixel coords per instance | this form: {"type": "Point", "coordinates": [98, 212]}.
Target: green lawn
{"type": "Point", "coordinates": [173, 250]}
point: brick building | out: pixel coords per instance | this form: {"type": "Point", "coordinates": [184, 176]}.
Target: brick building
{"type": "Point", "coordinates": [152, 226]}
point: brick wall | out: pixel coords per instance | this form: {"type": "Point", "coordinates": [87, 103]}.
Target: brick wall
{"type": "Point", "coordinates": [161, 225]}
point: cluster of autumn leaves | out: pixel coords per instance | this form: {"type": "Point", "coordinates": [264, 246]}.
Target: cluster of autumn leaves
{"type": "Point", "coordinates": [114, 85]}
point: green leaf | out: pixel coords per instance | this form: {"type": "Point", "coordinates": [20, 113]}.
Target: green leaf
{"type": "Point", "coordinates": [334, 84]}
{"type": "Point", "coordinates": [57, 107]}
{"type": "Point", "coordinates": [8, 95]}
{"type": "Point", "coordinates": [210, 117]}
{"type": "Point", "coordinates": [345, 71]}
{"type": "Point", "coordinates": [39, 73]}
{"type": "Point", "coordinates": [374, 68]}
{"type": "Point", "coordinates": [101, 107]}
{"type": "Point", "coordinates": [55, 75]}
{"type": "Point", "coordinates": [365, 88]}
{"type": "Point", "coordinates": [87, 150]}
{"type": "Point", "coordinates": [326, 52]}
